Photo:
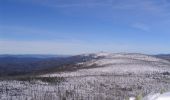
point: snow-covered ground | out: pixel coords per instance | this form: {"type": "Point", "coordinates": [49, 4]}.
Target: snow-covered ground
{"type": "Point", "coordinates": [158, 96]}
{"type": "Point", "coordinates": [107, 77]}
{"type": "Point", "coordinates": [116, 64]}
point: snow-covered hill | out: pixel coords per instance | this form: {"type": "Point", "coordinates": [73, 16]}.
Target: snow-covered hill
{"type": "Point", "coordinates": [104, 76]}
{"type": "Point", "coordinates": [120, 63]}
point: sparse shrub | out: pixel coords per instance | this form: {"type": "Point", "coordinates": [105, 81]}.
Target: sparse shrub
{"type": "Point", "coordinates": [139, 97]}
{"type": "Point", "coordinates": [63, 98]}
{"type": "Point", "coordinates": [126, 98]}
{"type": "Point", "coordinates": [162, 91]}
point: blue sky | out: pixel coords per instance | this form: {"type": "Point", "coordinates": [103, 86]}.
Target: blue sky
{"type": "Point", "coordinates": [81, 26]}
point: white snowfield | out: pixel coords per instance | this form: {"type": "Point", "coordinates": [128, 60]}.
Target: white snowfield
{"type": "Point", "coordinates": [119, 64]}
{"type": "Point", "coordinates": [107, 77]}
{"type": "Point", "coordinates": [158, 96]}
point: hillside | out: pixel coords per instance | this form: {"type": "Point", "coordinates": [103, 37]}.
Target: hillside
{"type": "Point", "coordinates": [98, 76]}
{"type": "Point", "coordinates": [119, 64]}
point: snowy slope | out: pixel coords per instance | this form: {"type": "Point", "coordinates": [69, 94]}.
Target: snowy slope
{"type": "Point", "coordinates": [106, 76]}
{"type": "Point", "coordinates": [122, 63]}
{"type": "Point", "coordinates": [123, 73]}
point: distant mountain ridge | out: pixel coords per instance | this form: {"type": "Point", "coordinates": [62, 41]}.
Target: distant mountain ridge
{"type": "Point", "coordinates": [23, 64]}
{"type": "Point", "coordinates": [32, 55]}
{"type": "Point", "coordinates": [164, 56]}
